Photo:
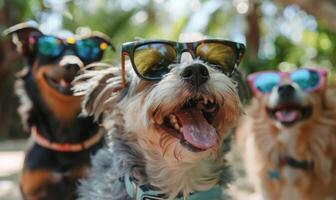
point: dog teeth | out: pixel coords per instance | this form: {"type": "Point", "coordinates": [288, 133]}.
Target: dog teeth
{"type": "Point", "coordinates": [211, 100]}
{"type": "Point", "coordinates": [173, 119]}
{"type": "Point", "coordinates": [63, 83]}
{"type": "Point", "coordinates": [174, 123]}
{"type": "Point", "coordinates": [205, 99]}
{"type": "Point", "coordinates": [176, 126]}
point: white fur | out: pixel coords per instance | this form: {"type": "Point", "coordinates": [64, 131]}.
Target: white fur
{"type": "Point", "coordinates": [169, 166]}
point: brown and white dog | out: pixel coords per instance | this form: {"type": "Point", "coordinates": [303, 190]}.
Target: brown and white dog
{"type": "Point", "coordinates": [169, 119]}
{"type": "Point", "coordinates": [62, 142]}
{"type": "Point", "coordinates": [288, 137]}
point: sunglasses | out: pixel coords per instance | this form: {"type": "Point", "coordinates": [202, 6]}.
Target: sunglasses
{"type": "Point", "coordinates": [309, 80]}
{"type": "Point", "coordinates": [89, 49]}
{"type": "Point", "coordinates": [151, 60]}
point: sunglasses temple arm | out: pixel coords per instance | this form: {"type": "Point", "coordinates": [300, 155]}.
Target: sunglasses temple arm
{"type": "Point", "coordinates": [123, 70]}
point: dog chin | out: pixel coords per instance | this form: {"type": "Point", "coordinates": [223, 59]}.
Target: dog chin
{"type": "Point", "coordinates": [290, 114]}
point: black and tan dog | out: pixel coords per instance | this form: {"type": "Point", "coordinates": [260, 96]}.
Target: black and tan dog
{"type": "Point", "coordinates": [62, 140]}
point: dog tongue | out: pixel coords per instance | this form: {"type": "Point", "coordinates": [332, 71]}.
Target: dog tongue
{"type": "Point", "coordinates": [196, 130]}
{"type": "Point", "coordinates": [287, 115]}
{"type": "Point", "coordinates": [64, 83]}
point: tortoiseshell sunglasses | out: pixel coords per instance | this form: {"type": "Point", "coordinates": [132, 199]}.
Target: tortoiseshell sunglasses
{"type": "Point", "coordinates": [153, 59]}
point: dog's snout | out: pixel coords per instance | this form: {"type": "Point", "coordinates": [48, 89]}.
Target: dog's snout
{"type": "Point", "coordinates": [71, 62]}
{"type": "Point", "coordinates": [286, 90]}
{"type": "Point", "coordinates": [70, 65]}
{"type": "Point", "coordinates": [71, 69]}
{"type": "Point", "coordinates": [195, 74]}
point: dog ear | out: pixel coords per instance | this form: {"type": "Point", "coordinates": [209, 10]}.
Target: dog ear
{"type": "Point", "coordinates": [101, 86]}
{"type": "Point", "coordinates": [20, 35]}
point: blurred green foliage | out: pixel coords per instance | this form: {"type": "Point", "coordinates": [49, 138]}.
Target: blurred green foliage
{"type": "Point", "coordinates": [124, 20]}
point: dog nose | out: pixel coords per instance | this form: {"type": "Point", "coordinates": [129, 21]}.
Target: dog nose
{"type": "Point", "coordinates": [71, 67]}
{"type": "Point", "coordinates": [195, 74]}
{"type": "Point", "coordinates": [286, 90]}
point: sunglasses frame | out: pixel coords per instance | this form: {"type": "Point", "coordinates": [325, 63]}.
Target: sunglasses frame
{"type": "Point", "coordinates": [128, 49]}
{"type": "Point", "coordinates": [70, 42]}
{"type": "Point", "coordinates": [321, 72]}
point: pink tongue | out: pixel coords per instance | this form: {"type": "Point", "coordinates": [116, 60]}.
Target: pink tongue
{"type": "Point", "coordinates": [287, 115]}
{"type": "Point", "coordinates": [63, 83]}
{"type": "Point", "coordinates": [196, 130]}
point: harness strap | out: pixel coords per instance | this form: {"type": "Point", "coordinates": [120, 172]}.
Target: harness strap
{"type": "Point", "coordinates": [65, 147]}
{"type": "Point", "coordinates": [292, 162]}
{"type": "Point", "coordinates": [143, 192]}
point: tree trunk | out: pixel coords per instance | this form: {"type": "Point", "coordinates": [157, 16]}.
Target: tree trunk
{"type": "Point", "coordinates": [253, 32]}
{"type": "Point", "coordinates": [10, 125]}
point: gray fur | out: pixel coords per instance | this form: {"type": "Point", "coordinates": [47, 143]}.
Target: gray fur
{"type": "Point", "coordinates": [119, 159]}
{"type": "Point", "coordinates": [126, 155]}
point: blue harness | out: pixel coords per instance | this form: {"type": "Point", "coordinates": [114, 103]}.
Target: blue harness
{"type": "Point", "coordinates": [142, 192]}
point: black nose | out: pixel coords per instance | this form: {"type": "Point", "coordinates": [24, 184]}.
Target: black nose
{"type": "Point", "coordinates": [195, 74]}
{"type": "Point", "coordinates": [71, 67]}
{"type": "Point", "coordinates": [286, 90]}
{"type": "Point", "coordinates": [71, 70]}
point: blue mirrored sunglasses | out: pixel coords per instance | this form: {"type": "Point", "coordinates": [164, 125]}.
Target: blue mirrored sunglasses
{"type": "Point", "coordinates": [89, 49]}
{"type": "Point", "coordinates": [307, 79]}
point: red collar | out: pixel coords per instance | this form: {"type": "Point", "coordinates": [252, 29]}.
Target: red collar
{"type": "Point", "coordinates": [66, 147]}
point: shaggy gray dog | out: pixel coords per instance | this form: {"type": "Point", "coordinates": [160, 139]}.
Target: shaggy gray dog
{"type": "Point", "coordinates": [150, 146]}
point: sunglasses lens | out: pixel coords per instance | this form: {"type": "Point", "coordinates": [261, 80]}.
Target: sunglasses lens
{"type": "Point", "coordinates": [306, 79]}
{"type": "Point", "coordinates": [49, 46]}
{"type": "Point", "coordinates": [266, 81]}
{"type": "Point", "coordinates": [152, 60]}
{"type": "Point", "coordinates": [88, 49]}
{"type": "Point", "coordinates": [219, 54]}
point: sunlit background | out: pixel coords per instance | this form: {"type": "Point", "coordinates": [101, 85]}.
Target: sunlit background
{"type": "Point", "coordinates": [281, 34]}
{"type": "Point", "coordinates": [276, 33]}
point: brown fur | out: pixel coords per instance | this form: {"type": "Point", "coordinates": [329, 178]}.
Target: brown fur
{"type": "Point", "coordinates": [31, 181]}
{"type": "Point", "coordinates": [36, 184]}
{"type": "Point", "coordinates": [64, 107]}
{"type": "Point", "coordinates": [134, 117]}
{"type": "Point", "coordinates": [48, 106]}
{"type": "Point", "coordinates": [260, 144]}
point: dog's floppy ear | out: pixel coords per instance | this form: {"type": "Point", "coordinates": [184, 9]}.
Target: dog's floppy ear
{"type": "Point", "coordinates": [20, 35]}
{"type": "Point", "coordinates": [101, 86]}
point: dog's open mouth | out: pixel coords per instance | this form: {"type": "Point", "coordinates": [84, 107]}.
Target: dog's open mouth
{"type": "Point", "coordinates": [290, 114]}
{"type": "Point", "coordinates": [193, 124]}
{"type": "Point", "coordinates": [59, 85]}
